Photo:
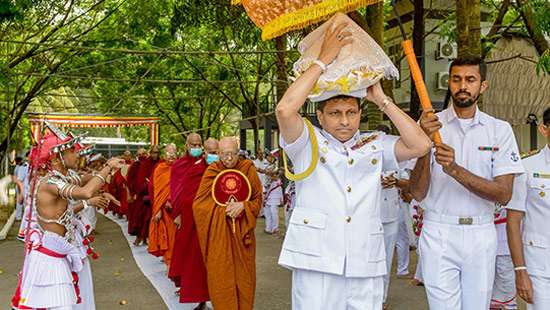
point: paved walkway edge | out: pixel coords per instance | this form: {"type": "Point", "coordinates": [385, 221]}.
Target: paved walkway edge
{"type": "Point", "coordinates": [152, 268]}
{"type": "Point", "coordinates": [7, 226]}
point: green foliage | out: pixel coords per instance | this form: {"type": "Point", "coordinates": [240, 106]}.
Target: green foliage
{"type": "Point", "coordinates": [105, 79]}
{"type": "Point", "coordinates": [14, 10]}
{"type": "Point", "coordinates": [544, 63]}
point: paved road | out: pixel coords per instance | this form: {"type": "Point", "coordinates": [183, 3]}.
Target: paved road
{"type": "Point", "coordinates": [117, 277]}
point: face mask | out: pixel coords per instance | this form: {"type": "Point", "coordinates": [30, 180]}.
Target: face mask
{"type": "Point", "coordinates": [195, 151]}
{"type": "Point", "coordinates": [210, 158]}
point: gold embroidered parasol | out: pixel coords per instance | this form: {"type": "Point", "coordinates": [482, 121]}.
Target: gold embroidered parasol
{"type": "Point", "coordinates": [276, 17]}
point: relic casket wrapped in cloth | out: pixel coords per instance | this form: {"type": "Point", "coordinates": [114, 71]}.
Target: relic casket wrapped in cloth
{"type": "Point", "coordinates": [359, 65]}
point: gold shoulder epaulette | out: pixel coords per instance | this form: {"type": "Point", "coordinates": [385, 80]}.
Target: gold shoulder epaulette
{"type": "Point", "coordinates": [529, 154]}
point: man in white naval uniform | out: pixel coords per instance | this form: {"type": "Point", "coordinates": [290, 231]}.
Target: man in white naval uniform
{"type": "Point", "coordinates": [334, 244]}
{"type": "Point", "coordinates": [458, 185]}
{"type": "Point", "coordinates": [389, 216]}
{"type": "Point", "coordinates": [405, 234]}
{"type": "Point", "coordinates": [530, 249]}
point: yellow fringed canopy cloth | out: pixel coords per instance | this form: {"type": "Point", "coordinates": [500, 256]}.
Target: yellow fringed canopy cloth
{"type": "Point", "coordinates": [277, 17]}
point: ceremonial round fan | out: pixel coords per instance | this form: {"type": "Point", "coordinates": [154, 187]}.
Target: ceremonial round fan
{"type": "Point", "coordinates": [231, 186]}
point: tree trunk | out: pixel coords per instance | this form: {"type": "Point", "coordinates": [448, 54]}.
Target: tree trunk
{"type": "Point", "coordinates": [468, 27]}
{"type": "Point", "coordinates": [536, 35]}
{"type": "Point", "coordinates": [418, 45]}
{"type": "Point", "coordinates": [281, 85]}
{"type": "Point", "coordinates": [375, 22]}
{"type": "Point", "coordinates": [492, 34]}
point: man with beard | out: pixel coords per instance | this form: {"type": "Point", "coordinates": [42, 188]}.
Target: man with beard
{"type": "Point", "coordinates": [459, 183]}
{"type": "Point", "coordinates": [187, 268]}
{"type": "Point", "coordinates": [226, 233]}
{"type": "Point", "coordinates": [21, 172]}
{"type": "Point", "coordinates": [139, 175]}
{"type": "Point", "coordinates": [162, 230]}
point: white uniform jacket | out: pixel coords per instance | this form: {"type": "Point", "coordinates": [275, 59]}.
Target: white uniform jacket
{"type": "Point", "coordinates": [532, 196]}
{"type": "Point", "coordinates": [335, 227]}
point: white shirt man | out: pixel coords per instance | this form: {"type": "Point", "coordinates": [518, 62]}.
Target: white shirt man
{"type": "Point", "coordinates": [273, 198]}
{"type": "Point", "coordinates": [21, 172]}
{"type": "Point", "coordinates": [261, 164]}
{"type": "Point", "coordinates": [458, 185]}
{"type": "Point", "coordinates": [334, 244]}
{"type": "Point", "coordinates": [389, 215]}
{"type": "Point", "coordinates": [405, 235]}
{"type": "Point", "coordinates": [530, 248]}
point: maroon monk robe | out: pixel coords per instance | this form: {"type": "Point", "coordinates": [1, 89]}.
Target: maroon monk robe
{"type": "Point", "coordinates": [117, 188]}
{"type": "Point", "coordinates": [132, 188]}
{"type": "Point", "coordinates": [187, 268]}
{"type": "Point", "coordinates": [138, 224]}
{"type": "Point", "coordinates": [112, 189]}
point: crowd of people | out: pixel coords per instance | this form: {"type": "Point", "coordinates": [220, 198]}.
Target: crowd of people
{"type": "Point", "coordinates": [168, 203]}
{"type": "Point", "coordinates": [351, 199]}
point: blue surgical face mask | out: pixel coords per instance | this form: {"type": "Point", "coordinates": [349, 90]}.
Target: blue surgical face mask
{"type": "Point", "coordinates": [210, 158]}
{"type": "Point", "coordinates": [195, 151]}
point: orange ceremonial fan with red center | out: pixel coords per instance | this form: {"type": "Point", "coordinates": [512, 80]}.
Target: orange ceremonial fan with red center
{"type": "Point", "coordinates": [231, 186]}
{"type": "Point", "coordinates": [277, 17]}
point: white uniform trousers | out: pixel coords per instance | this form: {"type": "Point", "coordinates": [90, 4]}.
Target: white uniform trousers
{"type": "Point", "coordinates": [271, 214]}
{"type": "Point", "coordinates": [458, 265]}
{"type": "Point", "coordinates": [312, 290]}
{"type": "Point", "coordinates": [504, 287]}
{"type": "Point", "coordinates": [418, 271]}
{"type": "Point", "coordinates": [541, 293]}
{"type": "Point", "coordinates": [390, 238]}
{"type": "Point", "coordinates": [18, 211]}
{"type": "Point", "coordinates": [86, 286]}
{"type": "Point", "coordinates": [402, 245]}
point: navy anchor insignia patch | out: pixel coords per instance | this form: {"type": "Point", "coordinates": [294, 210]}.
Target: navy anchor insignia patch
{"type": "Point", "coordinates": [514, 156]}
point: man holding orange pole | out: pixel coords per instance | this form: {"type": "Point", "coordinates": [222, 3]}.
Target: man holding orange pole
{"type": "Point", "coordinates": [458, 184]}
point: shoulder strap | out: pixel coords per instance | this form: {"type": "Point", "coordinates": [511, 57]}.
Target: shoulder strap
{"type": "Point", "coordinates": [314, 156]}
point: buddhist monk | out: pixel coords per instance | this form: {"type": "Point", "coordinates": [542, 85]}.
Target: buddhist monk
{"type": "Point", "coordinates": [229, 251]}
{"type": "Point", "coordinates": [127, 156]}
{"type": "Point", "coordinates": [138, 181]}
{"type": "Point", "coordinates": [187, 268]}
{"type": "Point", "coordinates": [162, 230]}
{"type": "Point", "coordinates": [117, 186]}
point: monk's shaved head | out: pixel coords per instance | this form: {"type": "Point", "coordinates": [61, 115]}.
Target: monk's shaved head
{"type": "Point", "coordinates": [229, 143]}
{"type": "Point", "coordinates": [211, 146]}
{"type": "Point", "coordinates": [193, 140]}
{"type": "Point", "coordinates": [229, 152]}
{"type": "Point", "coordinates": [170, 152]}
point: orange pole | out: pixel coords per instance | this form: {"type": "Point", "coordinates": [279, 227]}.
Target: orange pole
{"type": "Point", "coordinates": [419, 82]}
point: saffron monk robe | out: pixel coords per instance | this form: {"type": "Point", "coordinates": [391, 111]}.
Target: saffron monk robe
{"type": "Point", "coordinates": [162, 229]}
{"type": "Point", "coordinates": [226, 234]}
